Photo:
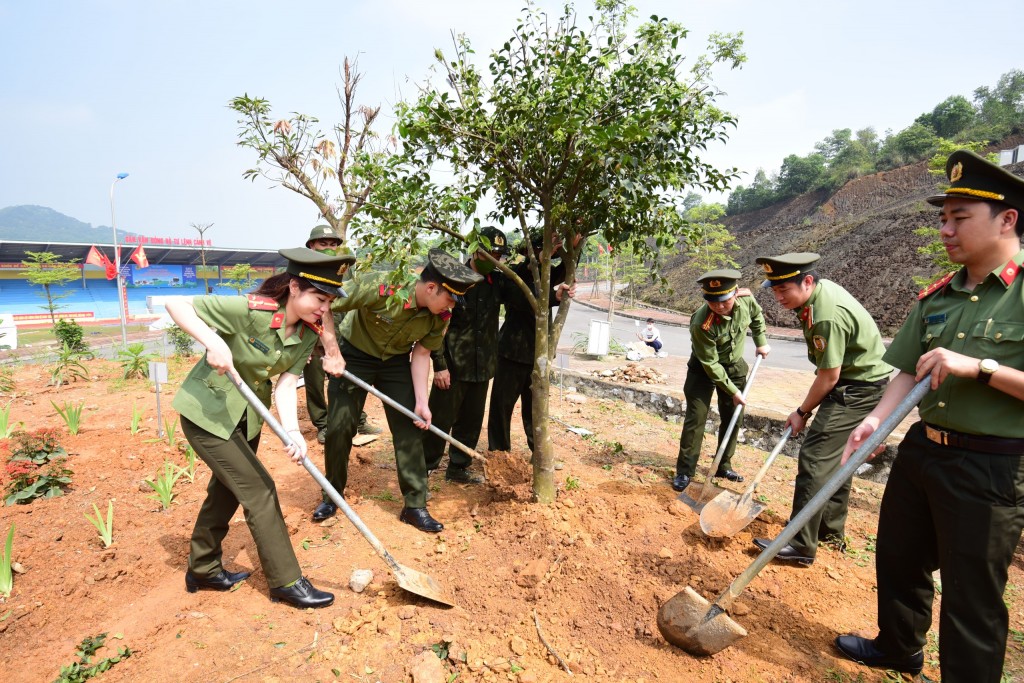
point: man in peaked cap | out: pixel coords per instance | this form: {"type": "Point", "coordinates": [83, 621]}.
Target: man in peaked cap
{"type": "Point", "coordinates": [953, 498]}
{"type": "Point", "coordinates": [324, 239]}
{"type": "Point", "coordinates": [846, 349]}
{"type": "Point", "coordinates": [718, 333]}
{"type": "Point", "coordinates": [385, 325]}
{"type": "Point", "coordinates": [466, 362]}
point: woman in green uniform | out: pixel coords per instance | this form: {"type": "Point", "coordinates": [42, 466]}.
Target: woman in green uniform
{"type": "Point", "coordinates": [268, 333]}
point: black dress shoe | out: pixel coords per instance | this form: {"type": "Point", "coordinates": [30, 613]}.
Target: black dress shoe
{"type": "Point", "coordinates": [788, 552]}
{"type": "Point", "coordinates": [301, 594]}
{"type": "Point", "coordinates": [680, 482]}
{"type": "Point", "coordinates": [222, 581]}
{"type": "Point", "coordinates": [421, 519]}
{"type": "Point", "coordinates": [863, 651]}
{"type": "Point", "coordinates": [461, 475]}
{"type": "Point", "coordinates": [731, 475]}
{"type": "Point", "coordinates": [324, 510]}
{"type": "Point", "coordinates": [321, 435]}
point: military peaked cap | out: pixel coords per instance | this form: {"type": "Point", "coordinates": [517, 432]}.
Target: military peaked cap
{"type": "Point", "coordinates": [788, 267]}
{"type": "Point", "coordinates": [719, 285]}
{"type": "Point", "coordinates": [455, 277]}
{"type": "Point", "coordinates": [322, 232]}
{"type": "Point", "coordinates": [972, 177]}
{"type": "Point", "coordinates": [324, 271]}
{"type": "Point", "coordinates": [499, 243]}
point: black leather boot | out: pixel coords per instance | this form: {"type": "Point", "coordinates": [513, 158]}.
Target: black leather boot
{"type": "Point", "coordinates": [222, 581]}
{"type": "Point", "coordinates": [421, 519]}
{"type": "Point", "coordinates": [301, 594]}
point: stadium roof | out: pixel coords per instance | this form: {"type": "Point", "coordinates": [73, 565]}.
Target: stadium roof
{"type": "Point", "coordinates": [14, 252]}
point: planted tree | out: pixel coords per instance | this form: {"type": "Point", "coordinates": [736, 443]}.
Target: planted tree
{"type": "Point", "coordinates": [44, 269]}
{"type": "Point", "coordinates": [240, 278]}
{"type": "Point", "coordinates": [578, 128]}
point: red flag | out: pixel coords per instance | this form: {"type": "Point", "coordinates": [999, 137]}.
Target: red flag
{"type": "Point", "coordinates": [609, 248]}
{"type": "Point", "coordinates": [111, 270]}
{"type": "Point", "coordinates": [97, 258]}
{"type": "Point", "coordinates": [139, 256]}
{"type": "Point", "coordinates": [600, 248]}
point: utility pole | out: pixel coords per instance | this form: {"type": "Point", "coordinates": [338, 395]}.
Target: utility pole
{"type": "Point", "coordinates": [201, 228]}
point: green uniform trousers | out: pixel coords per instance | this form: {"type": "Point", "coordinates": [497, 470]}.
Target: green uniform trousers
{"type": "Point", "coordinates": [316, 400]}
{"type": "Point", "coordinates": [458, 410]}
{"type": "Point", "coordinates": [512, 382]}
{"type": "Point", "coordinates": [820, 456]}
{"type": "Point", "coordinates": [239, 478]}
{"type": "Point", "coordinates": [392, 377]}
{"type": "Point", "coordinates": [697, 389]}
{"type": "Point", "coordinates": [959, 511]}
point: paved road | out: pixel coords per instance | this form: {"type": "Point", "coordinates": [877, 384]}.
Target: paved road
{"type": "Point", "coordinates": [790, 355]}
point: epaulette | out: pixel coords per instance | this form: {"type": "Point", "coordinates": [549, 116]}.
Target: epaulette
{"type": "Point", "coordinates": [258, 302]}
{"type": "Point", "coordinates": [1009, 273]}
{"type": "Point", "coordinates": [807, 315]}
{"type": "Point", "coordinates": [317, 327]}
{"type": "Point", "coordinates": [744, 291]}
{"type": "Point", "coordinates": [708, 321]}
{"type": "Point", "coordinates": [936, 286]}
{"type": "Point", "coordinates": [386, 290]}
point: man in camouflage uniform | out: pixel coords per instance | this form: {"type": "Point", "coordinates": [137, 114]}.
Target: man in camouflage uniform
{"type": "Point", "coordinates": [465, 364]}
{"type": "Point", "coordinates": [846, 349]}
{"type": "Point", "coordinates": [953, 501]}
{"type": "Point", "coordinates": [718, 333]}
{"type": "Point", "coordinates": [375, 344]}
{"type": "Point", "coordinates": [323, 238]}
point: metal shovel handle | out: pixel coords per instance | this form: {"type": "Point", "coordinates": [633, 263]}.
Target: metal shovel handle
{"type": "Point", "coordinates": [332, 492]}
{"type": "Point", "coordinates": [728, 432]}
{"type": "Point", "coordinates": [764, 468]}
{"type": "Point", "coordinates": [858, 458]}
{"type": "Point", "coordinates": [410, 414]}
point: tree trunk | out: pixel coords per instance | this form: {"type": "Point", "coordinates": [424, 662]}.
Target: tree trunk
{"type": "Point", "coordinates": [611, 288]}
{"type": "Point", "coordinates": [543, 458]}
{"type": "Point", "coordinates": [49, 305]}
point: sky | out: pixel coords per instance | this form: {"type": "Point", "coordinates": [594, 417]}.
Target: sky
{"type": "Point", "coordinates": [93, 88]}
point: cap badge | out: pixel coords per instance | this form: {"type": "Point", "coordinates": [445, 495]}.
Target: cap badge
{"type": "Point", "coordinates": [714, 283]}
{"type": "Point", "coordinates": [499, 241]}
{"type": "Point", "coordinates": [343, 269]}
{"type": "Point", "coordinates": [767, 267]}
{"type": "Point", "coordinates": [956, 172]}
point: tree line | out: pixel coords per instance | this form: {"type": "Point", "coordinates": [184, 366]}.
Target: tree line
{"type": "Point", "coordinates": [954, 123]}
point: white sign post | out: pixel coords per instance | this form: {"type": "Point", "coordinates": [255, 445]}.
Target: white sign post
{"type": "Point", "coordinates": [158, 373]}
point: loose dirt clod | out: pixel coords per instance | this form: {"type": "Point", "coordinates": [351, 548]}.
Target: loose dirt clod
{"type": "Point", "coordinates": [510, 474]}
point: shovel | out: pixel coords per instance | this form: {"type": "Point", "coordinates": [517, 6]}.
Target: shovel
{"type": "Point", "coordinates": [687, 620]}
{"type": "Point", "coordinates": [709, 490]}
{"type": "Point", "coordinates": [411, 580]}
{"type": "Point", "coordinates": [408, 413]}
{"type": "Point", "coordinates": [728, 513]}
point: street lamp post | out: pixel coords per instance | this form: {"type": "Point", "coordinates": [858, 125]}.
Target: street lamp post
{"type": "Point", "coordinates": [117, 263]}
{"type": "Point", "coordinates": [201, 229]}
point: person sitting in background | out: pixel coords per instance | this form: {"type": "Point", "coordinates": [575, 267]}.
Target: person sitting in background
{"type": "Point", "coordinates": [650, 336]}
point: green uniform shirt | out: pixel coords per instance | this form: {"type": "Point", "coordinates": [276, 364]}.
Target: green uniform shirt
{"type": "Point", "coordinates": [383, 326]}
{"type": "Point", "coordinates": [259, 350]}
{"type": "Point", "coordinates": [840, 333]}
{"type": "Point", "coordinates": [470, 349]}
{"type": "Point", "coordinates": [718, 340]}
{"type": "Point", "coordinates": [987, 322]}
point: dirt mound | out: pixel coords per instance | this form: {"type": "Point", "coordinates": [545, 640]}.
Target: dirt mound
{"type": "Point", "coordinates": [510, 475]}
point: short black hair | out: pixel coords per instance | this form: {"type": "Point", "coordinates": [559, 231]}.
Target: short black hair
{"type": "Point", "coordinates": [650, 320]}
{"type": "Point", "coordinates": [995, 208]}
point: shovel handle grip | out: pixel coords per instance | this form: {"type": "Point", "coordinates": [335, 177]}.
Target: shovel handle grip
{"type": "Point", "coordinates": [728, 432]}
{"type": "Point", "coordinates": [858, 458]}
{"type": "Point", "coordinates": [320, 479]}
{"type": "Point", "coordinates": [411, 415]}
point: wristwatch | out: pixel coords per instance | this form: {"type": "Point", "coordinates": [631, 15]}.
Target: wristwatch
{"type": "Point", "coordinates": [986, 368]}
{"type": "Point", "coordinates": [803, 413]}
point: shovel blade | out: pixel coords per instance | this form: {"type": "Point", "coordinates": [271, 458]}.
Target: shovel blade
{"type": "Point", "coordinates": [697, 496]}
{"type": "Point", "coordinates": [690, 622]}
{"type": "Point", "coordinates": [421, 584]}
{"type": "Point", "coordinates": [728, 514]}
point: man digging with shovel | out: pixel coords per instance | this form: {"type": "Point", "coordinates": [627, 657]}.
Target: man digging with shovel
{"type": "Point", "coordinates": [846, 349]}
{"type": "Point", "coordinates": [953, 498]}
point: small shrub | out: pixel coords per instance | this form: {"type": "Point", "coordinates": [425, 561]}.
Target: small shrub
{"type": "Point", "coordinates": [136, 418]}
{"type": "Point", "coordinates": [70, 333]}
{"type": "Point", "coordinates": [164, 485]}
{"type": "Point", "coordinates": [72, 415]}
{"type": "Point", "coordinates": [572, 483]}
{"type": "Point", "coordinates": [180, 340]}
{"type": "Point", "coordinates": [105, 528]}
{"type": "Point", "coordinates": [189, 470]}
{"type": "Point", "coordinates": [6, 380]}
{"type": "Point", "coordinates": [35, 465]}
{"type": "Point", "coordinates": [83, 669]}
{"type": "Point", "coordinates": [6, 428]}
{"type": "Point", "coordinates": [68, 367]}
{"type": "Point", "coordinates": [135, 361]}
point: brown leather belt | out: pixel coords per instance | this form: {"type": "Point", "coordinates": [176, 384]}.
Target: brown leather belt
{"type": "Point", "coordinates": [974, 442]}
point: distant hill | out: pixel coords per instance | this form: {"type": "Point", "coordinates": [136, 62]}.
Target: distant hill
{"type": "Point", "coordinates": [42, 224]}
{"type": "Point", "coordinates": [863, 231]}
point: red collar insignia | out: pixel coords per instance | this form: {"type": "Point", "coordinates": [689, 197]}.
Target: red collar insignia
{"type": "Point", "coordinates": [277, 321]}
{"type": "Point", "coordinates": [709, 321]}
{"type": "Point", "coordinates": [807, 315]}
{"type": "Point", "coordinates": [317, 327]}
{"type": "Point", "coordinates": [1010, 273]}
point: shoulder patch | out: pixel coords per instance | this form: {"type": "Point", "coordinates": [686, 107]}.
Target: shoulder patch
{"type": "Point", "coordinates": [709, 321]}
{"type": "Point", "coordinates": [819, 342]}
{"type": "Point", "coordinates": [258, 302]}
{"type": "Point", "coordinates": [936, 286]}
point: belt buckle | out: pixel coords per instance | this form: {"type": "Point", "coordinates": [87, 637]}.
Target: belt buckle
{"type": "Point", "coordinates": [937, 435]}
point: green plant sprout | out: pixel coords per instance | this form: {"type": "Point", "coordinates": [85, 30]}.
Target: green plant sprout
{"type": "Point", "coordinates": [72, 415]}
{"type": "Point", "coordinates": [189, 470]}
{"type": "Point", "coordinates": [169, 428]}
{"type": "Point", "coordinates": [6, 578]}
{"type": "Point", "coordinates": [136, 418]}
{"type": "Point", "coordinates": [104, 527]}
{"type": "Point", "coordinates": [6, 428]}
{"type": "Point", "coordinates": [164, 485]}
